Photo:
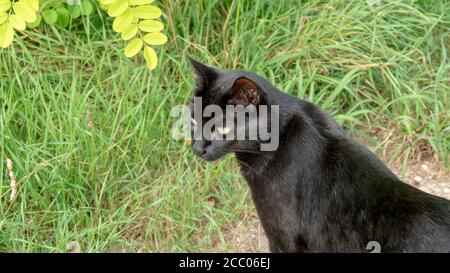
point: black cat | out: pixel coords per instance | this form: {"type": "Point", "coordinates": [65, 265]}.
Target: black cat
{"type": "Point", "coordinates": [320, 191]}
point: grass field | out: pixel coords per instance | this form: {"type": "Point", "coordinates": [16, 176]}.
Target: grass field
{"type": "Point", "coordinates": [88, 130]}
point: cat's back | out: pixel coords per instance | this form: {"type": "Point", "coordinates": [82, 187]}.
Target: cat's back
{"type": "Point", "coordinates": [395, 210]}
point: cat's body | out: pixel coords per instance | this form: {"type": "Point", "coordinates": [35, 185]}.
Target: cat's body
{"type": "Point", "coordinates": [321, 191]}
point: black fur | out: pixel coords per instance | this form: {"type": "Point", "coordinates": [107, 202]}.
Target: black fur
{"type": "Point", "coordinates": [321, 191]}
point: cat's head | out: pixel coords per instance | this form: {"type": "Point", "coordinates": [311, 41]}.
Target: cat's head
{"type": "Point", "coordinates": [230, 112]}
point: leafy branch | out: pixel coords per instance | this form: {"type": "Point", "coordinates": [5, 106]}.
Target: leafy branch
{"type": "Point", "coordinates": [136, 21]}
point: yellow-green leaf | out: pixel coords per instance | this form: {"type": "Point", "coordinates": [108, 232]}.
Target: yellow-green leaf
{"type": "Point", "coordinates": [24, 11]}
{"type": "Point", "coordinates": [3, 17]}
{"type": "Point", "coordinates": [155, 38]}
{"type": "Point", "coordinates": [122, 21]}
{"type": "Point", "coordinates": [103, 6]}
{"type": "Point", "coordinates": [75, 11]}
{"type": "Point", "coordinates": [117, 8]}
{"type": "Point", "coordinates": [35, 23]}
{"type": "Point", "coordinates": [147, 12]}
{"type": "Point", "coordinates": [150, 57]}
{"type": "Point", "coordinates": [50, 16]}
{"type": "Point", "coordinates": [139, 2]}
{"type": "Point", "coordinates": [151, 25]}
{"type": "Point", "coordinates": [86, 7]}
{"type": "Point", "coordinates": [5, 5]}
{"type": "Point", "coordinates": [129, 32]}
{"type": "Point", "coordinates": [34, 4]}
{"type": "Point", "coordinates": [6, 35]}
{"type": "Point", "coordinates": [133, 47]}
{"type": "Point", "coordinates": [63, 17]}
{"type": "Point", "coordinates": [106, 2]}
{"type": "Point", "coordinates": [17, 22]}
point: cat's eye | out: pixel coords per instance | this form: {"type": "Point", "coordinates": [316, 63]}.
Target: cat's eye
{"type": "Point", "coordinates": [193, 121]}
{"type": "Point", "coordinates": [223, 130]}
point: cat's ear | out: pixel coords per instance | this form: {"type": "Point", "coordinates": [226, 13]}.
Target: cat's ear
{"type": "Point", "coordinates": [205, 74]}
{"type": "Point", "coordinates": [245, 92]}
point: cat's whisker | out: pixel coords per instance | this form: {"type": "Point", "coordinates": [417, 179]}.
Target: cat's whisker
{"type": "Point", "coordinates": [251, 168]}
{"type": "Point", "coordinates": [251, 152]}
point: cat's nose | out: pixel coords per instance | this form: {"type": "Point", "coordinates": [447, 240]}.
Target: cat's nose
{"type": "Point", "coordinates": [198, 148]}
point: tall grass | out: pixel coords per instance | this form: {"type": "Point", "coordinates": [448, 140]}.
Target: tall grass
{"type": "Point", "coordinates": [88, 130]}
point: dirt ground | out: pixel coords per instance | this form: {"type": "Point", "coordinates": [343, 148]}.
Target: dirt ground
{"type": "Point", "coordinates": [427, 175]}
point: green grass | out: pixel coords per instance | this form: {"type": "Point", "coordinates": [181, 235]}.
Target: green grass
{"type": "Point", "coordinates": [88, 130]}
